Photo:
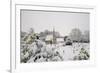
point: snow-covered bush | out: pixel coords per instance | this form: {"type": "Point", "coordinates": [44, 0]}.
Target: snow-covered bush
{"type": "Point", "coordinates": [83, 55]}
{"type": "Point", "coordinates": [33, 49]}
{"type": "Point", "coordinates": [36, 50]}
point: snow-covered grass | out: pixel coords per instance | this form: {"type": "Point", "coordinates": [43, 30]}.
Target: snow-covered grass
{"type": "Point", "coordinates": [68, 52]}
{"type": "Point", "coordinates": [54, 52]}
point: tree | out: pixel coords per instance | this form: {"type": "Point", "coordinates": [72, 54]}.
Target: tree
{"type": "Point", "coordinates": [76, 35]}
{"type": "Point", "coordinates": [86, 36]}
{"type": "Point", "coordinates": [46, 32]}
{"type": "Point", "coordinates": [31, 30]}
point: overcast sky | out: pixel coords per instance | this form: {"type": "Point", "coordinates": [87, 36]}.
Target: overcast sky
{"type": "Point", "coordinates": [63, 22]}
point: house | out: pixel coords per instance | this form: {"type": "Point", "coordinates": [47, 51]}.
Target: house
{"type": "Point", "coordinates": [49, 39]}
{"type": "Point", "coordinates": [60, 39]}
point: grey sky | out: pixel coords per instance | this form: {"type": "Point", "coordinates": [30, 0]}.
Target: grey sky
{"type": "Point", "coordinates": [63, 22]}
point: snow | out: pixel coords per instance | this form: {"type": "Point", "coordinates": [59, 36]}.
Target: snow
{"type": "Point", "coordinates": [39, 51]}
{"type": "Point", "coordinates": [67, 52]}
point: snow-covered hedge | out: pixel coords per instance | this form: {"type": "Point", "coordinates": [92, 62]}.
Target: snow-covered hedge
{"type": "Point", "coordinates": [37, 51]}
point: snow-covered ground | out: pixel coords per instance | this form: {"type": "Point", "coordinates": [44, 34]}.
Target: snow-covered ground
{"type": "Point", "coordinates": [54, 52]}
{"type": "Point", "coordinates": [69, 51]}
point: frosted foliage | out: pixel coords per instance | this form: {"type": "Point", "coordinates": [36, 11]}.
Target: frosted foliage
{"type": "Point", "coordinates": [36, 50]}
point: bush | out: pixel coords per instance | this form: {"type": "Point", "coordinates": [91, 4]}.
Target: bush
{"type": "Point", "coordinates": [83, 55]}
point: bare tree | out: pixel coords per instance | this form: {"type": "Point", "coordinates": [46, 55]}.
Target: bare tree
{"type": "Point", "coordinates": [76, 35]}
{"type": "Point", "coordinates": [86, 36]}
{"type": "Point", "coordinates": [31, 30]}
